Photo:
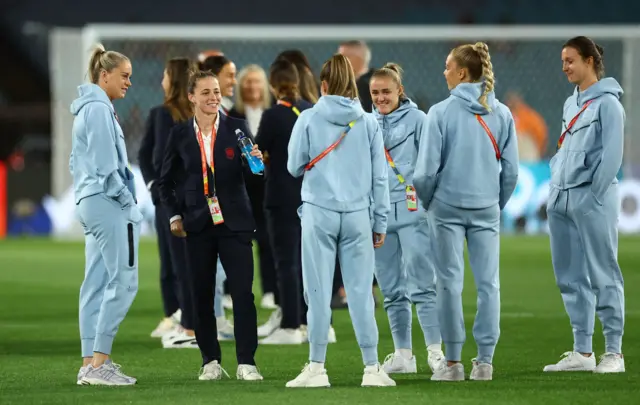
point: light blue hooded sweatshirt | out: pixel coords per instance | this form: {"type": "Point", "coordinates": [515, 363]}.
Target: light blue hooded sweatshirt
{"type": "Point", "coordinates": [401, 131]}
{"type": "Point", "coordinates": [353, 174]}
{"type": "Point", "coordinates": [98, 161]}
{"type": "Point", "coordinates": [456, 159]}
{"type": "Point", "coordinates": [592, 151]}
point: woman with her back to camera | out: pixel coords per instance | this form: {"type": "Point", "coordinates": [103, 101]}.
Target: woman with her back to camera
{"type": "Point", "coordinates": [403, 268]}
{"type": "Point", "coordinates": [583, 209]}
{"type": "Point", "coordinates": [466, 171]}
{"type": "Point", "coordinates": [338, 148]}
{"type": "Point", "coordinates": [107, 209]}
{"type": "Point", "coordinates": [282, 199]}
{"type": "Point", "coordinates": [175, 333]}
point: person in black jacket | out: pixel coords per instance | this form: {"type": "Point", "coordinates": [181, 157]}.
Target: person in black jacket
{"type": "Point", "coordinates": [173, 287]}
{"type": "Point", "coordinates": [282, 199]}
{"type": "Point", "coordinates": [213, 213]}
{"type": "Point", "coordinates": [252, 99]}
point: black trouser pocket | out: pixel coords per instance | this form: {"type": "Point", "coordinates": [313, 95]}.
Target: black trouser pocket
{"type": "Point", "coordinates": [130, 240]}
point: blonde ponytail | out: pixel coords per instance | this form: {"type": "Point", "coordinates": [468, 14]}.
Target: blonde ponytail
{"type": "Point", "coordinates": [482, 49]}
{"type": "Point", "coordinates": [102, 59]}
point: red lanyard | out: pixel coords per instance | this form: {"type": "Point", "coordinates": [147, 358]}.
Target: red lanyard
{"type": "Point", "coordinates": [491, 137]}
{"type": "Point", "coordinates": [572, 123]}
{"type": "Point", "coordinates": [203, 157]}
{"type": "Point", "coordinates": [331, 147]}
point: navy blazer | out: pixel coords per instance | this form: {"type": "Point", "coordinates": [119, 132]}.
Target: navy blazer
{"type": "Point", "coordinates": [182, 169]}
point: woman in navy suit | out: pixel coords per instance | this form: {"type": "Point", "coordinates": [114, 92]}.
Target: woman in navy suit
{"type": "Point", "coordinates": [213, 213]}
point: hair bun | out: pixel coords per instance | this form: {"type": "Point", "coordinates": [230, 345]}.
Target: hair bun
{"type": "Point", "coordinates": [395, 67]}
{"type": "Point", "coordinates": [481, 46]}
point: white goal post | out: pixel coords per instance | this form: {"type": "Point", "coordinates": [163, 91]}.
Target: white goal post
{"type": "Point", "coordinates": [526, 59]}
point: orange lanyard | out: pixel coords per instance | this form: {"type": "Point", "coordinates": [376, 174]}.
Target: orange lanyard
{"type": "Point", "coordinates": [488, 131]}
{"type": "Point", "coordinates": [572, 123]}
{"type": "Point", "coordinates": [331, 147]}
{"type": "Point", "coordinates": [288, 104]}
{"type": "Point", "coordinates": [203, 157]}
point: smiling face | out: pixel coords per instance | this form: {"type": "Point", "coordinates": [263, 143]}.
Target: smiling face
{"type": "Point", "coordinates": [227, 77]}
{"type": "Point", "coordinates": [574, 66]}
{"type": "Point", "coordinates": [206, 96]}
{"type": "Point", "coordinates": [116, 82]}
{"type": "Point", "coordinates": [385, 94]}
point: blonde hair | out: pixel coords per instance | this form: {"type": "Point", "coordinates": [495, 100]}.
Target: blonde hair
{"type": "Point", "coordinates": [242, 76]}
{"type": "Point", "coordinates": [340, 78]}
{"type": "Point", "coordinates": [476, 59]}
{"type": "Point", "coordinates": [102, 59]}
{"type": "Point", "coordinates": [394, 72]}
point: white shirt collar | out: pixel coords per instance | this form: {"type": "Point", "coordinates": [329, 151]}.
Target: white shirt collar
{"type": "Point", "coordinates": [215, 125]}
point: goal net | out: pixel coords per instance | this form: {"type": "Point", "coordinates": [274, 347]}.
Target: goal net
{"type": "Point", "coordinates": [526, 61]}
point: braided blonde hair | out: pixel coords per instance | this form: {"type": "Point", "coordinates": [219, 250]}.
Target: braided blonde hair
{"type": "Point", "coordinates": [476, 59]}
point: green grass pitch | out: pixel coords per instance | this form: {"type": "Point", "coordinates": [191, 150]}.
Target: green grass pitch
{"type": "Point", "coordinates": [39, 343]}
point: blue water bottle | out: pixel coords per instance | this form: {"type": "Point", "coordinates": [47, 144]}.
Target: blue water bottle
{"type": "Point", "coordinates": [246, 146]}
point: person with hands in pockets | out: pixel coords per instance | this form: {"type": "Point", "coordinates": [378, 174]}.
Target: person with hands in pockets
{"type": "Point", "coordinates": [583, 209]}
{"type": "Point", "coordinates": [466, 171]}
{"type": "Point", "coordinates": [107, 209]}
{"type": "Point", "coordinates": [338, 149]}
{"type": "Point", "coordinates": [403, 264]}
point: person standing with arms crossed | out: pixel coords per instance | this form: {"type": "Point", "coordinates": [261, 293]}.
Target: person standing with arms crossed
{"type": "Point", "coordinates": [584, 206]}
{"type": "Point", "coordinates": [466, 171]}
{"type": "Point", "coordinates": [338, 149]}
{"type": "Point", "coordinates": [403, 267]}
{"type": "Point", "coordinates": [107, 209]}
{"type": "Point", "coordinates": [213, 213]}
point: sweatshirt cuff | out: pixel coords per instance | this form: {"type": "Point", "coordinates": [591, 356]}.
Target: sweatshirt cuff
{"type": "Point", "coordinates": [174, 218]}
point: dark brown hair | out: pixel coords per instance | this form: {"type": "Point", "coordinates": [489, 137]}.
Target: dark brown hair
{"type": "Point", "coordinates": [307, 84]}
{"type": "Point", "coordinates": [214, 64]}
{"type": "Point", "coordinates": [195, 76]}
{"type": "Point", "coordinates": [338, 73]}
{"type": "Point", "coordinates": [476, 59]}
{"type": "Point", "coordinates": [587, 48]}
{"type": "Point", "coordinates": [284, 78]}
{"type": "Point", "coordinates": [176, 100]}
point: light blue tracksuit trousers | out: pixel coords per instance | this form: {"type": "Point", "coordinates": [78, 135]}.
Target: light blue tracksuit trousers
{"type": "Point", "coordinates": [218, 309]}
{"type": "Point", "coordinates": [111, 269]}
{"type": "Point", "coordinates": [349, 234]}
{"type": "Point", "coordinates": [481, 228]}
{"type": "Point", "coordinates": [584, 252]}
{"type": "Point", "coordinates": [405, 274]}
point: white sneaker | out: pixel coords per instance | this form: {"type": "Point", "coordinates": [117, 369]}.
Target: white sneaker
{"type": "Point", "coordinates": [83, 370]}
{"type": "Point", "coordinates": [374, 376]}
{"type": "Point", "coordinates": [449, 373]}
{"type": "Point", "coordinates": [313, 375]}
{"type": "Point", "coordinates": [435, 357]}
{"type": "Point", "coordinates": [227, 302]}
{"type": "Point", "coordinates": [610, 363]}
{"type": "Point", "coordinates": [284, 337]}
{"type": "Point", "coordinates": [225, 331]}
{"type": "Point", "coordinates": [271, 325]}
{"type": "Point", "coordinates": [177, 317]}
{"type": "Point", "coordinates": [268, 301]}
{"type": "Point", "coordinates": [165, 326]}
{"type": "Point", "coordinates": [248, 372]}
{"type": "Point", "coordinates": [573, 361]}
{"type": "Point", "coordinates": [108, 373]}
{"type": "Point", "coordinates": [395, 363]}
{"type": "Point", "coordinates": [332, 335]}
{"type": "Point", "coordinates": [481, 371]}
{"type": "Point", "coordinates": [212, 371]}
{"type": "Point", "coordinates": [180, 341]}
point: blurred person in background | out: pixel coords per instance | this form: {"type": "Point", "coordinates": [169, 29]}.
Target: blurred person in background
{"type": "Point", "coordinates": [404, 268]}
{"type": "Point", "coordinates": [359, 55]}
{"type": "Point", "coordinates": [466, 171]}
{"type": "Point", "coordinates": [282, 199]}
{"type": "Point", "coordinates": [308, 86]}
{"type": "Point", "coordinates": [106, 207]}
{"type": "Point", "coordinates": [252, 99]}
{"type": "Point", "coordinates": [225, 71]}
{"type": "Point", "coordinates": [583, 209]}
{"type": "Point", "coordinates": [531, 130]}
{"type": "Point", "coordinates": [174, 289]}
{"type": "Point", "coordinates": [203, 158]}
{"type": "Point", "coordinates": [339, 152]}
